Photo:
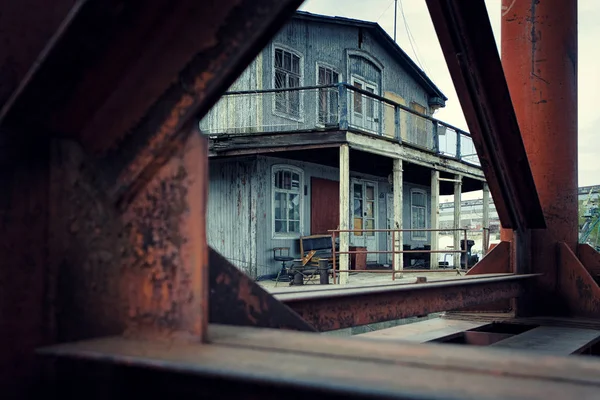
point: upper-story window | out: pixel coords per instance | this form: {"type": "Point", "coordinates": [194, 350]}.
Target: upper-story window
{"type": "Point", "coordinates": [328, 97]}
{"type": "Point", "coordinates": [287, 201]}
{"type": "Point", "coordinates": [287, 74]}
{"type": "Point", "coordinates": [418, 213]}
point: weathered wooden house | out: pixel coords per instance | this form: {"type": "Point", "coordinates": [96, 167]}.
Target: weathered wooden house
{"type": "Point", "coordinates": [332, 115]}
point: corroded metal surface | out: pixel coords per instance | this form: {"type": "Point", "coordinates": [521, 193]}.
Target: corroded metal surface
{"type": "Point", "coordinates": [330, 310]}
{"type": "Point", "coordinates": [467, 40]}
{"type": "Point", "coordinates": [539, 56]}
{"type": "Point", "coordinates": [166, 260]}
{"type": "Point", "coordinates": [579, 292]}
{"type": "Point", "coordinates": [235, 299]}
{"type": "Point", "coordinates": [85, 245]}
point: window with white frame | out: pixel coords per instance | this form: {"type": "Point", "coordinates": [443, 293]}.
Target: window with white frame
{"type": "Point", "coordinates": [287, 187]}
{"type": "Point", "coordinates": [327, 97]}
{"type": "Point", "coordinates": [418, 213]}
{"type": "Point", "coordinates": [288, 74]}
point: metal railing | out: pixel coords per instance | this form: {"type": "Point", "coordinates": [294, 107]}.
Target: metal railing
{"type": "Point", "coordinates": [394, 251]}
{"type": "Point", "coordinates": [336, 107]}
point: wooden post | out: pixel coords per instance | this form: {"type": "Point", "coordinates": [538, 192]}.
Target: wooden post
{"type": "Point", "coordinates": [457, 234]}
{"type": "Point", "coordinates": [486, 218]}
{"type": "Point", "coordinates": [435, 217]}
{"type": "Point", "coordinates": [397, 182]}
{"type": "Point", "coordinates": [344, 211]}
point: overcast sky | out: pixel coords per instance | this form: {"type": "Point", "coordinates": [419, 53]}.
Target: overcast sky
{"type": "Point", "coordinates": [431, 59]}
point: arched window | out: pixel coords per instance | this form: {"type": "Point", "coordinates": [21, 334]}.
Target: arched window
{"type": "Point", "coordinates": [418, 213]}
{"type": "Point", "coordinates": [287, 185]}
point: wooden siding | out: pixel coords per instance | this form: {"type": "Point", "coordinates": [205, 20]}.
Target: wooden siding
{"type": "Point", "coordinates": [231, 217]}
{"type": "Point", "coordinates": [239, 214]}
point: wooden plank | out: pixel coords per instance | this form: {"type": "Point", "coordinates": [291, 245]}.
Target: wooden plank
{"type": "Point", "coordinates": [552, 340]}
{"type": "Point", "coordinates": [398, 210]}
{"type": "Point", "coordinates": [423, 331]}
{"type": "Point", "coordinates": [225, 144]}
{"type": "Point", "coordinates": [234, 356]}
{"type": "Point", "coordinates": [457, 234]}
{"type": "Point", "coordinates": [435, 217]}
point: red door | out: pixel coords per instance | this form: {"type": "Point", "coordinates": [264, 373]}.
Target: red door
{"type": "Point", "coordinates": [324, 206]}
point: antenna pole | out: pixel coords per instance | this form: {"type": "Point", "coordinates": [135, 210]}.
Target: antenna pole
{"type": "Point", "coordinates": [395, 17]}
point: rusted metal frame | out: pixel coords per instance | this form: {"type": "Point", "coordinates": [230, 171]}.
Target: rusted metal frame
{"type": "Point", "coordinates": [466, 38]}
{"type": "Point", "coordinates": [339, 309]}
{"type": "Point", "coordinates": [235, 299]}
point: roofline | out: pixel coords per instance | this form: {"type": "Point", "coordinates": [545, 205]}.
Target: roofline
{"type": "Point", "coordinates": [413, 69]}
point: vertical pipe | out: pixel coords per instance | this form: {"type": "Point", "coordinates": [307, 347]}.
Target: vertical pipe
{"type": "Point", "coordinates": [393, 255]}
{"type": "Point", "coordinates": [344, 211]}
{"type": "Point", "coordinates": [486, 218]}
{"type": "Point", "coordinates": [395, 17]}
{"type": "Point", "coordinates": [457, 191]}
{"type": "Point", "coordinates": [435, 217]}
{"type": "Point", "coordinates": [333, 254]}
{"type": "Point", "coordinates": [539, 56]}
{"type": "Point", "coordinates": [398, 188]}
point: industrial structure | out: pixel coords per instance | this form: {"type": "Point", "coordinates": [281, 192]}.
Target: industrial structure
{"type": "Point", "coordinates": [108, 288]}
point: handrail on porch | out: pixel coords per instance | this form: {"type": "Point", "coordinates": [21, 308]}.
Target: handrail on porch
{"type": "Point", "coordinates": [393, 251]}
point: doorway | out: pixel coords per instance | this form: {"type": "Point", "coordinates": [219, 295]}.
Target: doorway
{"type": "Point", "coordinates": [364, 215]}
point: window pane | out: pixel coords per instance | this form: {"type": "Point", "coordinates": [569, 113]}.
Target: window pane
{"type": "Point", "coordinates": [369, 208]}
{"type": "Point", "coordinates": [358, 208]}
{"type": "Point", "coordinates": [357, 191]}
{"type": "Point", "coordinates": [287, 61]}
{"type": "Point", "coordinates": [418, 199]}
{"type": "Point", "coordinates": [295, 64]}
{"type": "Point", "coordinates": [278, 59]}
{"type": "Point", "coordinates": [277, 205]}
{"type": "Point", "coordinates": [335, 77]}
{"type": "Point", "coordinates": [296, 182]}
{"type": "Point", "coordinates": [321, 79]}
{"type": "Point", "coordinates": [294, 207]}
{"type": "Point", "coordinates": [358, 225]}
{"type": "Point", "coordinates": [287, 184]}
{"type": "Point", "coordinates": [278, 179]}
{"type": "Point", "coordinates": [370, 193]}
{"type": "Point", "coordinates": [294, 103]}
{"type": "Point", "coordinates": [295, 226]}
{"type": "Point", "coordinates": [280, 226]}
{"type": "Point", "coordinates": [280, 80]}
{"type": "Point", "coordinates": [294, 81]}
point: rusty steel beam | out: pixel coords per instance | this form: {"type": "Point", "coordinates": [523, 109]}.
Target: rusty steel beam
{"type": "Point", "coordinates": [539, 55]}
{"type": "Point", "coordinates": [465, 34]}
{"type": "Point", "coordinates": [235, 299]}
{"type": "Point", "coordinates": [345, 308]}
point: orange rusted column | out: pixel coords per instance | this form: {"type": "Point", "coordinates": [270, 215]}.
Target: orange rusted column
{"type": "Point", "coordinates": [539, 56]}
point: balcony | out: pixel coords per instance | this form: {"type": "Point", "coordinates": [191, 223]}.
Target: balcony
{"type": "Point", "coordinates": [335, 107]}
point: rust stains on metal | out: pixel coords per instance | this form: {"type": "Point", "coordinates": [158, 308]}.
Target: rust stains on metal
{"type": "Point", "coordinates": [85, 242]}
{"type": "Point", "coordinates": [577, 288]}
{"type": "Point", "coordinates": [165, 264]}
{"type": "Point", "coordinates": [539, 46]}
{"type": "Point", "coordinates": [343, 309]}
{"type": "Point", "coordinates": [497, 261]}
{"type": "Point", "coordinates": [235, 299]}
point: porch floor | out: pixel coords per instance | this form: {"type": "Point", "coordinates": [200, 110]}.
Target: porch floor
{"type": "Point", "coordinates": [361, 279]}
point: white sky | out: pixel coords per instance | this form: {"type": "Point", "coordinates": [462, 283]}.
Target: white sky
{"type": "Point", "coordinates": [432, 60]}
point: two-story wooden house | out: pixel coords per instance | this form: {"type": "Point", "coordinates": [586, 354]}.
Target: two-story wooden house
{"type": "Point", "coordinates": [332, 115]}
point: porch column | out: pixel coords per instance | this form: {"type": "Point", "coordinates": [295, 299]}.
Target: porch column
{"type": "Point", "coordinates": [344, 211]}
{"type": "Point", "coordinates": [397, 245]}
{"type": "Point", "coordinates": [457, 234]}
{"type": "Point", "coordinates": [435, 217]}
{"type": "Point", "coordinates": [486, 218]}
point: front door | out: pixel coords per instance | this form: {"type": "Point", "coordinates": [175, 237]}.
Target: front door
{"type": "Point", "coordinates": [364, 214]}
{"type": "Point", "coordinates": [365, 110]}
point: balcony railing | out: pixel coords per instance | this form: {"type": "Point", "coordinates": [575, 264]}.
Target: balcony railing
{"type": "Point", "coordinates": [339, 106]}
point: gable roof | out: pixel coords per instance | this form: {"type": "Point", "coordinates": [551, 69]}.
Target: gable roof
{"type": "Point", "coordinates": [386, 41]}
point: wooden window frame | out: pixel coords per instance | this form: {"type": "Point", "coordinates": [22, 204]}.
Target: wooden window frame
{"type": "Point", "coordinates": [292, 169]}
{"type": "Point", "coordinates": [417, 235]}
